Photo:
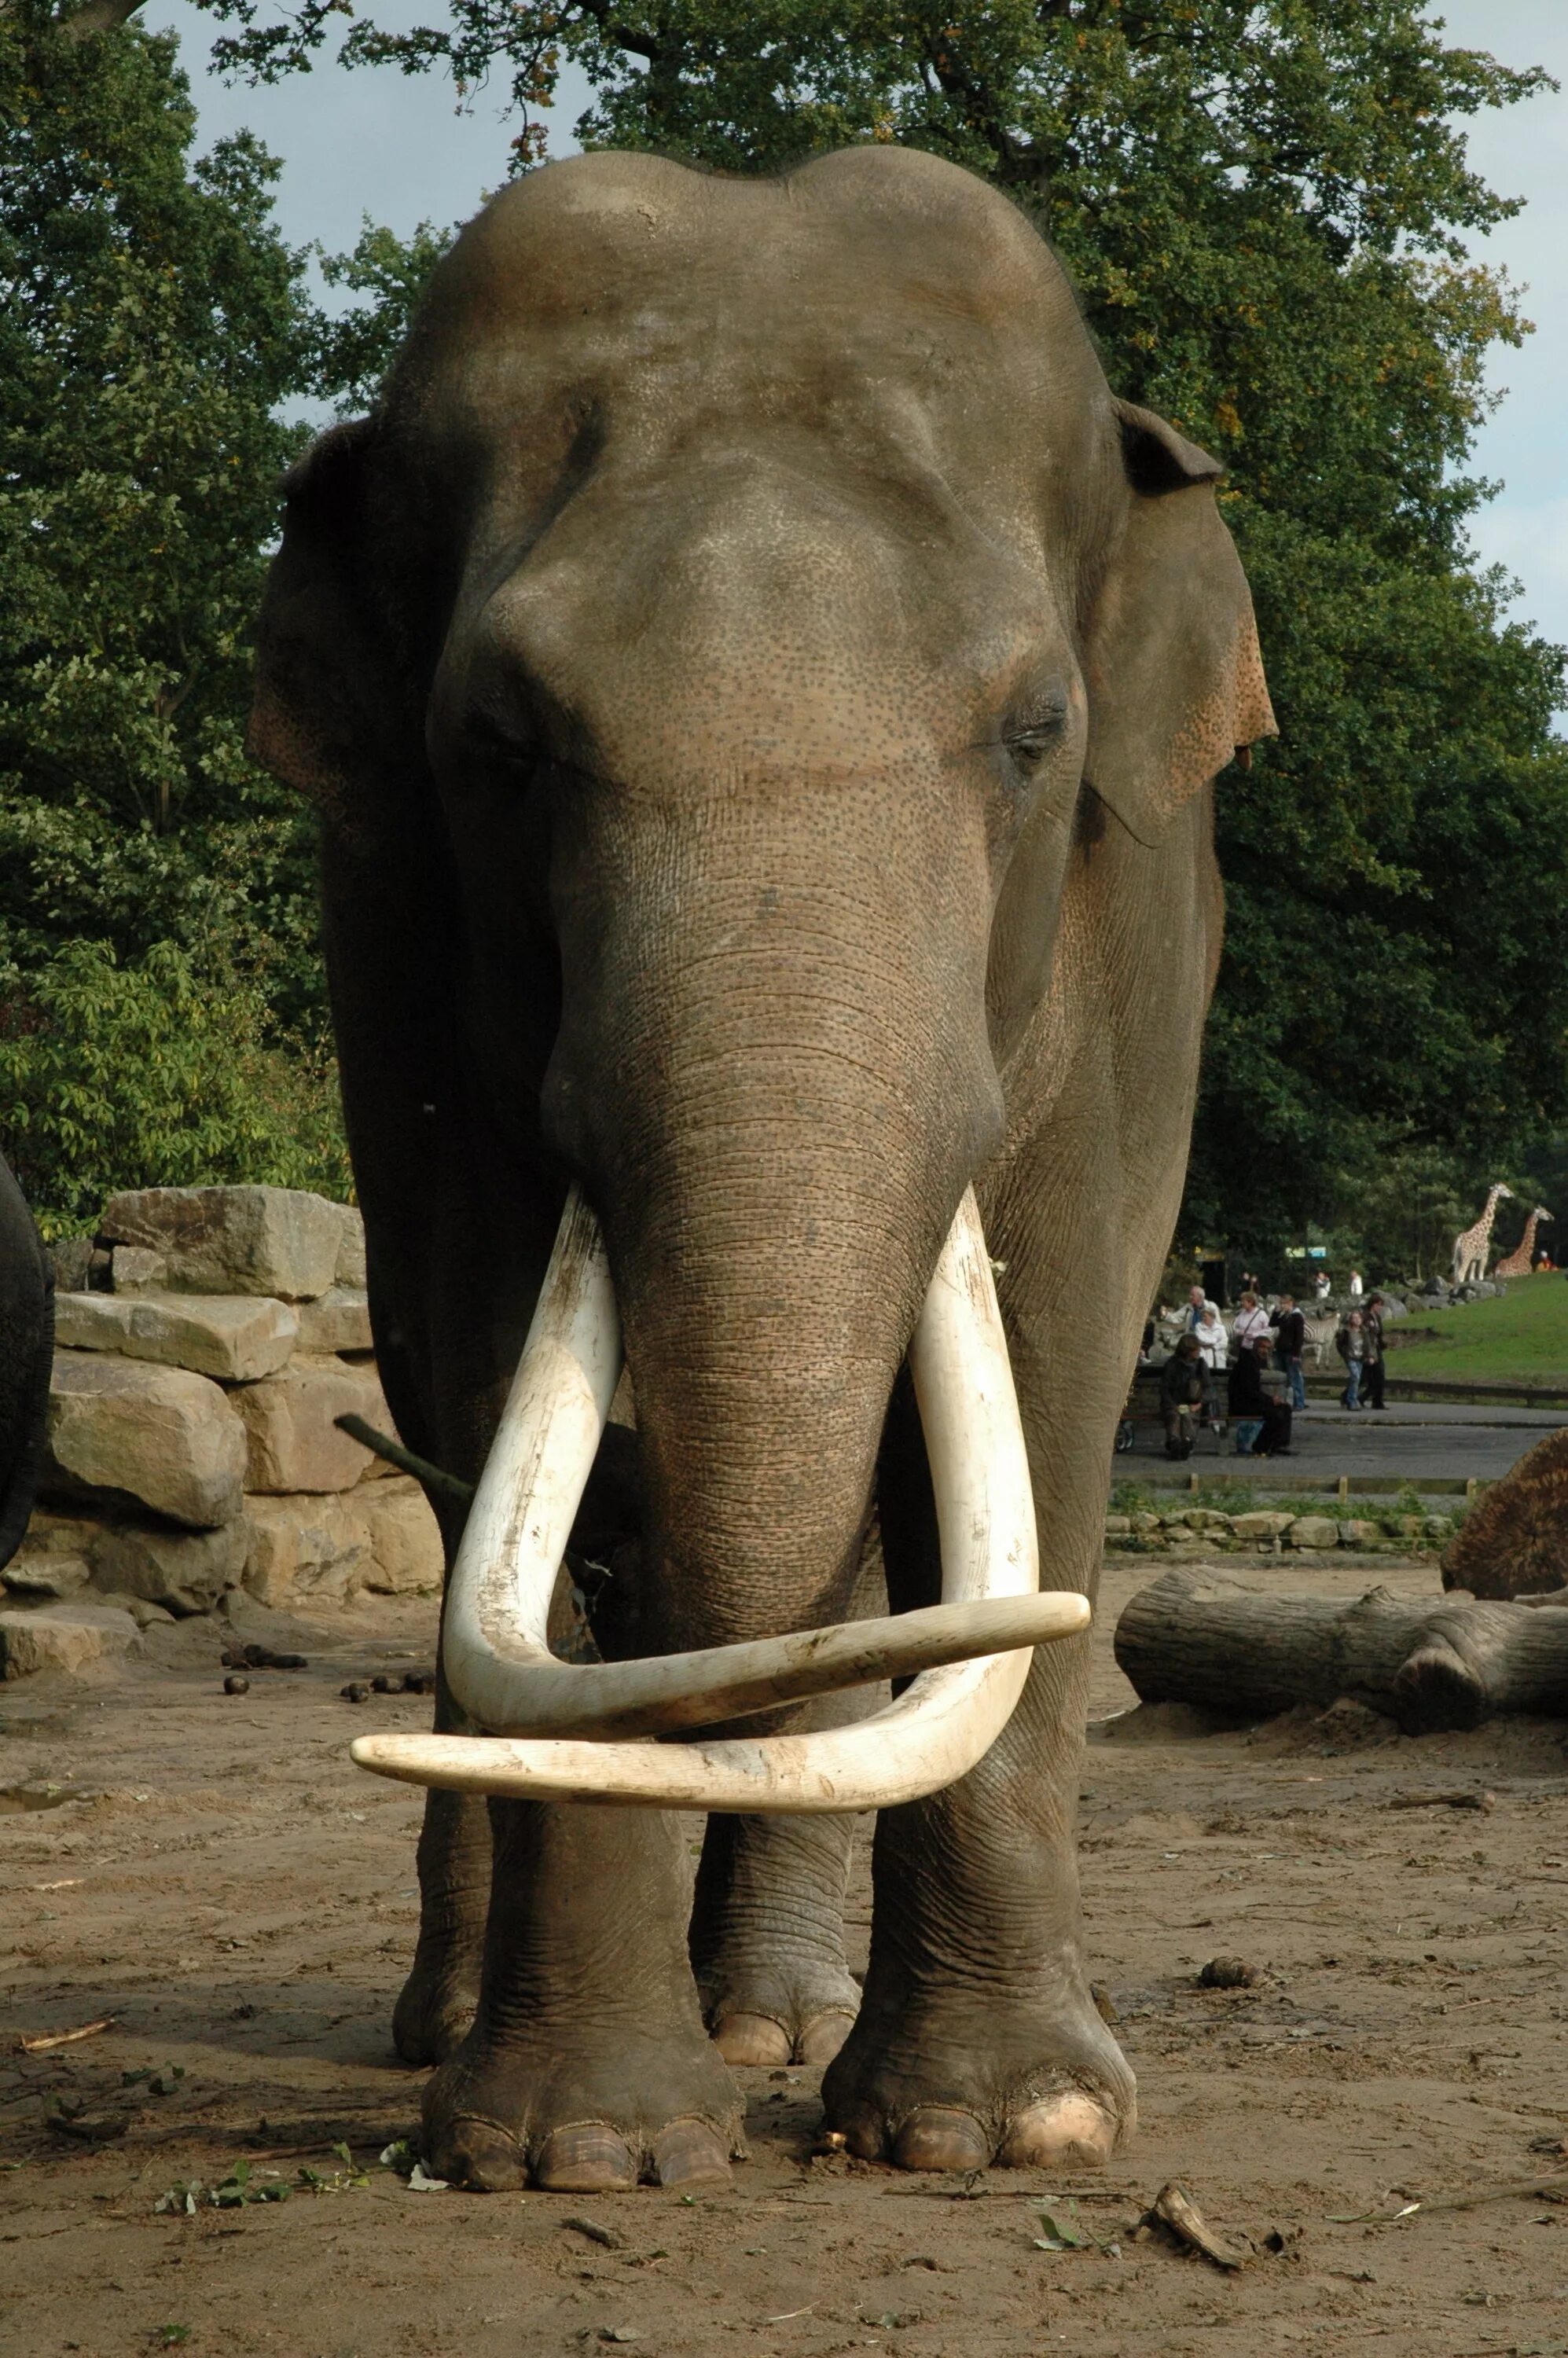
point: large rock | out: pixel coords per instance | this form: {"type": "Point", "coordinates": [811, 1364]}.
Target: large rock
{"type": "Point", "coordinates": [133, 1269]}
{"type": "Point", "coordinates": [406, 1554]}
{"type": "Point", "coordinates": [1514, 1540]}
{"type": "Point", "coordinates": [62, 1638]}
{"type": "Point", "coordinates": [1312, 1531]}
{"type": "Point", "coordinates": [1265, 1524]}
{"type": "Point", "coordinates": [339, 1321]}
{"type": "Point", "coordinates": [160, 1434]}
{"type": "Point", "coordinates": [185, 1572]}
{"type": "Point", "coordinates": [54, 1559]}
{"type": "Point", "coordinates": [294, 1444]}
{"type": "Point", "coordinates": [279, 1241]}
{"type": "Point", "coordinates": [351, 1269]}
{"type": "Point", "coordinates": [315, 1546]}
{"type": "Point", "coordinates": [235, 1337]}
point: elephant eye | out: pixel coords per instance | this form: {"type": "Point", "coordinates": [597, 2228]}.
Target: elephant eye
{"type": "Point", "coordinates": [1031, 740]}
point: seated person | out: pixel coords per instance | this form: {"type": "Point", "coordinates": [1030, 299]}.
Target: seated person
{"type": "Point", "coordinates": [1181, 1380]}
{"type": "Point", "coordinates": [1262, 1423]}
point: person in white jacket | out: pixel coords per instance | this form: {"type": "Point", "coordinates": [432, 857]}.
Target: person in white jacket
{"type": "Point", "coordinates": [1214, 1342]}
{"type": "Point", "coordinates": [1252, 1321]}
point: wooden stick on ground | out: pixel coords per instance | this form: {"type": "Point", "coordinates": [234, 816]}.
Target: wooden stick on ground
{"type": "Point", "coordinates": [48, 2039]}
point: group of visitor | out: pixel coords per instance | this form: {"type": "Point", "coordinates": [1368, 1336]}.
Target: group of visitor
{"type": "Point", "coordinates": [1258, 1340]}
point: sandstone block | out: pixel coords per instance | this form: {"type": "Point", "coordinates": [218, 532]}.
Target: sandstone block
{"type": "Point", "coordinates": [1264, 1525]}
{"type": "Point", "coordinates": [1312, 1531]}
{"type": "Point", "coordinates": [1206, 1519]}
{"type": "Point", "coordinates": [339, 1321]}
{"type": "Point", "coordinates": [294, 1444]}
{"type": "Point", "coordinates": [185, 1572]}
{"type": "Point", "coordinates": [235, 1337]}
{"type": "Point", "coordinates": [41, 1576]}
{"type": "Point", "coordinates": [135, 1270]}
{"type": "Point", "coordinates": [406, 1553]}
{"type": "Point", "coordinates": [72, 1258]}
{"type": "Point", "coordinates": [1358, 1532]}
{"type": "Point", "coordinates": [1117, 1527]}
{"type": "Point", "coordinates": [280, 1240]}
{"type": "Point", "coordinates": [351, 1269]}
{"type": "Point", "coordinates": [316, 1545]}
{"type": "Point", "coordinates": [62, 1638]}
{"type": "Point", "coordinates": [160, 1435]}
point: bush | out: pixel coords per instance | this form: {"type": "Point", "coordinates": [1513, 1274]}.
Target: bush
{"type": "Point", "coordinates": [153, 1074]}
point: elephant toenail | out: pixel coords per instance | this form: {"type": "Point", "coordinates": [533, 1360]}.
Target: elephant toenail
{"type": "Point", "coordinates": [585, 2158]}
{"type": "Point", "coordinates": [824, 2034]}
{"type": "Point", "coordinates": [1070, 2129]}
{"type": "Point", "coordinates": [690, 2153]}
{"type": "Point", "coordinates": [478, 2155]}
{"type": "Point", "coordinates": [936, 2138]}
{"type": "Point", "coordinates": [749, 2041]}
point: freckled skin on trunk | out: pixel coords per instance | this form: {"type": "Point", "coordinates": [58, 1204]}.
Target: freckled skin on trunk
{"type": "Point", "coordinates": [762, 692]}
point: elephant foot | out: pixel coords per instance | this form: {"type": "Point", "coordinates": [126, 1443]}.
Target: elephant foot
{"type": "Point", "coordinates": [436, 2005]}
{"type": "Point", "coordinates": [962, 2086]}
{"type": "Point", "coordinates": [773, 2018]}
{"type": "Point", "coordinates": [630, 2109]}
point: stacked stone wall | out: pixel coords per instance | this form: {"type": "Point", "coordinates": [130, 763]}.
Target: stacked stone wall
{"type": "Point", "coordinates": [207, 1341]}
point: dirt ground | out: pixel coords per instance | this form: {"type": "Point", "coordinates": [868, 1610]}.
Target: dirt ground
{"type": "Point", "coordinates": [242, 1900]}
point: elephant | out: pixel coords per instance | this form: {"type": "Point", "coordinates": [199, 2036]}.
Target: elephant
{"type": "Point", "coordinates": [26, 1356]}
{"type": "Point", "coordinates": [763, 696]}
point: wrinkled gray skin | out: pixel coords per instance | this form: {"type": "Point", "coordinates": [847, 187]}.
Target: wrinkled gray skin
{"type": "Point", "coordinates": [700, 663]}
{"type": "Point", "coordinates": [26, 1353]}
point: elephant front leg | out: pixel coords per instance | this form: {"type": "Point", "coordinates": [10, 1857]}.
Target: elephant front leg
{"type": "Point", "coordinates": [767, 1938]}
{"type": "Point", "coordinates": [978, 2039]}
{"type": "Point", "coordinates": [436, 2003]}
{"type": "Point", "coordinates": [587, 2066]}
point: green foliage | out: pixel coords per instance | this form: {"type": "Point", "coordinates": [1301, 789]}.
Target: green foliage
{"type": "Point", "coordinates": [152, 1074]}
{"type": "Point", "coordinates": [1260, 203]}
{"type": "Point", "coordinates": [354, 350]}
{"type": "Point", "coordinates": [162, 1009]}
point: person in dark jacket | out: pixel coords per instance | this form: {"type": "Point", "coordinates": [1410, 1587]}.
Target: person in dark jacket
{"type": "Point", "coordinates": [1263, 1424]}
{"type": "Point", "coordinates": [1290, 1341]}
{"type": "Point", "coordinates": [1375, 1370]}
{"type": "Point", "coordinates": [1181, 1387]}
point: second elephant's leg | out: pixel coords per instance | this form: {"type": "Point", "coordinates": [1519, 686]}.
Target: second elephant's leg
{"type": "Point", "coordinates": [767, 1938]}
{"type": "Point", "coordinates": [587, 2066]}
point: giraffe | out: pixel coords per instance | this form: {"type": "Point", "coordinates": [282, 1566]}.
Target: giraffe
{"type": "Point", "coordinates": [1518, 1261]}
{"type": "Point", "coordinates": [1470, 1245]}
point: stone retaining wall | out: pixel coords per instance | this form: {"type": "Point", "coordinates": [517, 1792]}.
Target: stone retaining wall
{"type": "Point", "coordinates": [208, 1337]}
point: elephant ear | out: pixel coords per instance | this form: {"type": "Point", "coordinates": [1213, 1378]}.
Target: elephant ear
{"type": "Point", "coordinates": [326, 691]}
{"type": "Point", "coordinates": [1173, 667]}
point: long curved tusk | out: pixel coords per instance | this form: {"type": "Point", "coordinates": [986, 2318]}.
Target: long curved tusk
{"type": "Point", "coordinates": [501, 1669]}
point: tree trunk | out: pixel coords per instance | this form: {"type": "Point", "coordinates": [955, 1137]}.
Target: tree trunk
{"type": "Point", "coordinates": [1427, 1663]}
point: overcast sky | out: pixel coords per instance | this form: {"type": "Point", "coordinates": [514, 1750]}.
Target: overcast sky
{"type": "Point", "coordinates": [381, 144]}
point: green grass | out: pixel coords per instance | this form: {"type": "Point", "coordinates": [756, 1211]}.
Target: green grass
{"type": "Point", "coordinates": [1521, 1339]}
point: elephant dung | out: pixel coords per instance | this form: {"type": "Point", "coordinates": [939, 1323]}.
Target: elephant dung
{"type": "Point", "coordinates": [62, 1638]}
{"type": "Point", "coordinates": [339, 1321]}
{"type": "Point", "coordinates": [281, 1240]}
{"type": "Point", "coordinates": [293, 1441]}
{"type": "Point", "coordinates": [315, 1545]}
{"type": "Point", "coordinates": [236, 1337]}
{"type": "Point", "coordinates": [161, 1435]}
{"type": "Point", "coordinates": [185, 1572]}
{"type": "Point", "coordinates": [1313, 1532]}
{"type": "Point", "coordinates": [405, 1551]}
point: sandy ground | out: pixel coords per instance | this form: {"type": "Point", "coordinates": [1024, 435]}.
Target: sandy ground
{"type": "Point", "coordinates": [242, 1900]}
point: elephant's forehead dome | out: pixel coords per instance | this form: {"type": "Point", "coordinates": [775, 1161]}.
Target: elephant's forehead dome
{"type": "Point", "coordinates": [607, 241]}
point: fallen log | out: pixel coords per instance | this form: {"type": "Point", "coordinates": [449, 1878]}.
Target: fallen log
{"type": "Point", "coordinates": [1428, 1662]}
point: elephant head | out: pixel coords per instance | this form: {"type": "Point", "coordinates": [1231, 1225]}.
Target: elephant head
{"type": "Point", "coordinates": [746, 600]}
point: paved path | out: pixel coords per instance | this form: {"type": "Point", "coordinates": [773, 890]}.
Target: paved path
{"type": "Point", "coordinates": [1410, 1440]}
